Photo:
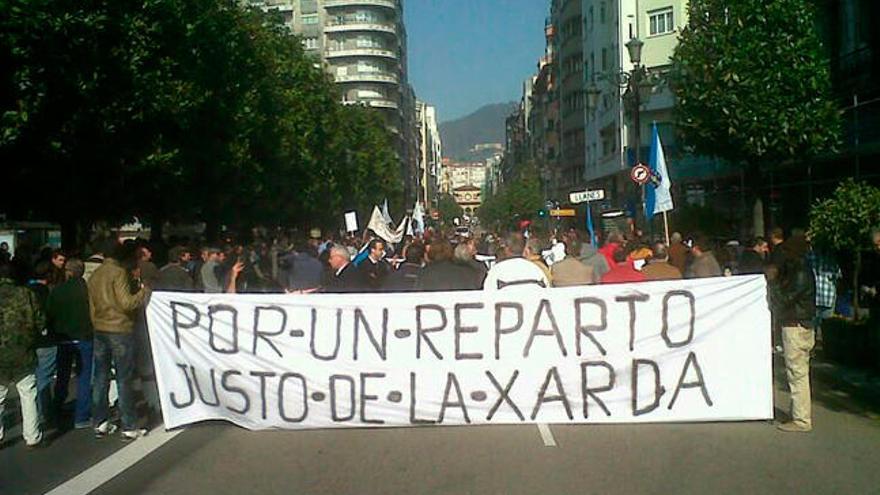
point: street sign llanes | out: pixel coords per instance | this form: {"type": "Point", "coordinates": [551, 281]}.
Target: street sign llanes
{"type": "Point", "coordinates": [584, 196]}
{"type": "Point", "coordinates": [640, 174]}
{"type": "Point", "coordinates": [567, 212]}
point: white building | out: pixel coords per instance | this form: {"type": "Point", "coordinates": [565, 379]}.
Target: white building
{"type": "Point", "coordinates": [610, 137]}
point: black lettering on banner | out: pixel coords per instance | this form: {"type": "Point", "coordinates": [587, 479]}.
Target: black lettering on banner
{"type": "Point", "coordinates": [177, 326]}
{"type": "Point", "coordinates": [189, 387]}
{"type": "Point", "coordinates": [216, 401]}
{"type": "Point", "coordinates": [544, 307]}
{"type": "Point", "coordinates": [692, 303]}
{"type": "Point", "coordinates": [381, 348]}
{"type": "Point", "coordinates": [452, 381]}
{"type": "Point", "coordinates": [262, 375]}
{"type": "Point", "coordinates": [365, 398]}
{"type": "Point", "coordinates": [592, 392]}
{"type": "Point", "coordinates": [499, 309]}
{"type": "Point", "coordinates": [258, 335]}
{"type": "Point", "coordinates": [581, 329]}
{"type": "Point", "coordinates": [504, 396]}
{"type": "Point", "coordinates": [542, 395]}
{"type": "Point", "coordinates": [219, 308]}
{"type": "Point", "coordinates": [460, 329]}
{"type": "Point", "coordinates": [333, 410]}
{"type": "Point", "coordinates": [312, 346]}
{"type": "Point", "coordinates": [224, 382]}
{"type": "Point", "coordinates": [692, 358]}
{"type": "Point", "coordinates": [421, 331]}
{"type": "Point", "coordinates": [659, 390]}
{"type": "Point", "coordinates": [305, 398]}
{"type": "Point", "coordinates": [412, 404]}
{"type": "Point", "coordinates": [631, 301]}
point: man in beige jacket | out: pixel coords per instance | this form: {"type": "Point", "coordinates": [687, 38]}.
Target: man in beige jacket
{"type": "Point", "coordinates": [115, 294]}
{"type": "Point", "coordinates": [571, 271]}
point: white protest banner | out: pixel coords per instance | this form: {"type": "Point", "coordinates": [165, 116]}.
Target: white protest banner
{"type": "Point", "coordinates": [692, 350]}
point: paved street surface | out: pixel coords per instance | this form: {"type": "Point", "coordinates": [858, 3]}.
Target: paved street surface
{"type": "Point", "coordinates": [841, 456]}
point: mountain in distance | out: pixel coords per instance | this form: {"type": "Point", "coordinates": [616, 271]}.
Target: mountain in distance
{"type": "Point", "coordinates": [486, 125]}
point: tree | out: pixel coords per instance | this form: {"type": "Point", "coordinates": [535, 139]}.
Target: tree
{"type": "Point", "coordinates": [520, 198]}
{"type": "Point", "coordinates": [449, 208]}
{"type": "Point", "coordinates": [177, 109]}
{"type": "Point", "coordinates": [844, 223]}
{"type": "Point", "coordinates": [752, 83]}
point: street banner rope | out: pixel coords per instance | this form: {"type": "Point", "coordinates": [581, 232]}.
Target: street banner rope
{"type": "Point", "coordinates": [691, 350]}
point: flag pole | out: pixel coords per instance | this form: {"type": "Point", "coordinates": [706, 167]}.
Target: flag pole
{"type": "Point", "coordinates": [666, 227]}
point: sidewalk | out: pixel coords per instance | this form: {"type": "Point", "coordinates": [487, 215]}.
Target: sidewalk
{"type": "Point", "coordinates": [853, 388]}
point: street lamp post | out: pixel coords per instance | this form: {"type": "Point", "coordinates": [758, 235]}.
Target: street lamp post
{"type": "Point", "coordinates": [631, 81]}
{"type": "Point", "coordinates": [634, 47]}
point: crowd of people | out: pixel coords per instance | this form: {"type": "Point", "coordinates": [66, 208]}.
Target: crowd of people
{"type": "Point", "coordinates": [85, 311]}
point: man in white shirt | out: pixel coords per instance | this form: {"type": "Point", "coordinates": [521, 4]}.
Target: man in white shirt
{"type": "Point", "coordinates": [514, 270]}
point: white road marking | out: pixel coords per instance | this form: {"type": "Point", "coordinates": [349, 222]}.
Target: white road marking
{"type": "Point", "coordinates": [112, 466]}
{"type": "Point", "coordinates": [546, 435]}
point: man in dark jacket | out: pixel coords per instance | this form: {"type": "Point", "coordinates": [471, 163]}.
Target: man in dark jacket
{"type": "Point", "coordinates": [794, 302]}
{"type": "Point", "coordinates": [174, 276]}
{"type": "Point", "coordinates": [344, 276]}
{"type": "Point", "coordinates": [406, 276]}
{"type": "Point", "coordinates": [443, 273]}
{"type": "Point", "coordinates": [374, 268]}
{"type": "Point", "coordinates": [67, 310]}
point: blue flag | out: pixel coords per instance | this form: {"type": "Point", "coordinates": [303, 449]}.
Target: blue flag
{"type": "Point", "coordinates": [658, 195]}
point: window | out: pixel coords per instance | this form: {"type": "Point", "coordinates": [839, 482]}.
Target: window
{"type": "Point", "coordinates": [310, 43]}
{"type": "Point", "coordinates": [368, 67]}
{"type": "Point", "coordinates": [310, 19]}
{"type": "Point", "coordinates": [602, 13]}
{"type": "Point", "coordinates": [661, 21]}
{"type": "Point", "coordinates": [604, 59]}
{"type": "Point", "coordinates": [365, 16]}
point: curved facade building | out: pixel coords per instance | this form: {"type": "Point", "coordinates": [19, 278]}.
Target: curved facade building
{"type": "Point", "coordinates": [362, 44]}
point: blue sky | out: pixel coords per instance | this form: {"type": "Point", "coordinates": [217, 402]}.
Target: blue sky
{"type": "Point", "coordinates": [464, 54]}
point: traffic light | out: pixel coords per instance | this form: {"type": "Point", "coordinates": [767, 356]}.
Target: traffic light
{"type": "Point", "coordinates": [542, 213]}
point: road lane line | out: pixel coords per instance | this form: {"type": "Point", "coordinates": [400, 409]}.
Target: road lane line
{"type": "Point", "coordinates": [546, 435]}
{"type": "Point", "coordinates": [112, 466]}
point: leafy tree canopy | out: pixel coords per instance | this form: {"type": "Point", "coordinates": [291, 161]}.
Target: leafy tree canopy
{"type": "Point", "coordinates": [752, 82]}
{"type": "Point", "coordinates": [181, 110]}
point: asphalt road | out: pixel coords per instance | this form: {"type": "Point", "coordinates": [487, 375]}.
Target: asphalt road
{"type": "Point", "coordinates": [840, 456]}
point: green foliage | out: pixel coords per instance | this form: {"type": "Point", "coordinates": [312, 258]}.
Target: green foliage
{"type": "Point", "coordinates": [520, 198]}
{"type": "Point", "coordinates": [844, 222]}
{"type": "Point", "coordinates": [177, 109]}
{"type": "Point", "coordinates": [752, 82]}
{"type": "Point", "coordinates": [449, 208]}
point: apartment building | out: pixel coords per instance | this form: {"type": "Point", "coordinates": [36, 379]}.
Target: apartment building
{"type": "Point", "coordinates": [611, 140]}
{"type": "Point", "coordinates": [430, 154]}
{"type": "Point", "coordinates": [362, 43]}
{"type": "Point", "coordinates": [567, 17]}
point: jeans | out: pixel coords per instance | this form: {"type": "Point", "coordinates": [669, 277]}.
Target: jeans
{"type": "Point", "coordinates": [117, 348]}
{"type": "Point", "coordinates": [45, 373]}
{"type": "Point", "coordinates": [27, 396]}
{"type": "Point", "coordinates": [66, 353]}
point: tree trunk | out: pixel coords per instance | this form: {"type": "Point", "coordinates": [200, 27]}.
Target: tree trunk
{"type": "Point", "coordinates": [69, 234]}
{"type": "Point", "coordinates": [856, 269]}
{"type": "Point", "coordinates": [157, 227]}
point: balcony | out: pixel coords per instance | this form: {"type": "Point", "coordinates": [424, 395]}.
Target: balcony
{"type": "Point", "coordinates": [377, 77]}
{"type": "Point", "coordinates": [362, 52]}
{"type": "Point", "coordinates": [379, 103]}
{"type": "Point", "coordinates": [354, 26]}
{"type": "Point", "coordinates": [391, 4]}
